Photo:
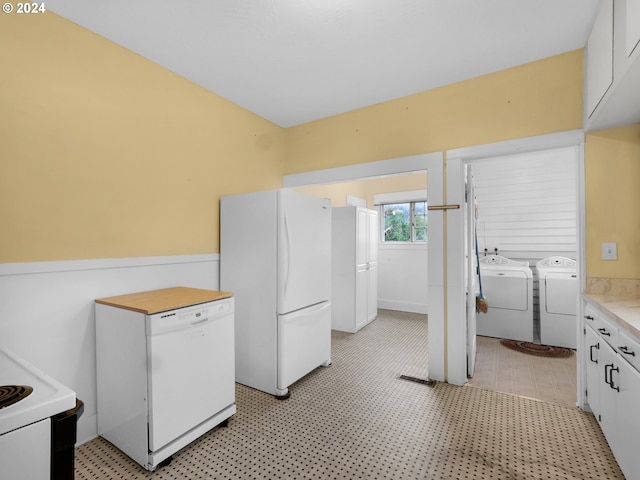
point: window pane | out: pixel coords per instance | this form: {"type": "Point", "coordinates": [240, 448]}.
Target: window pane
{"type": "Point", "coordinates": [420, 221]}
{"type": "Point", "coordinates": [397, 222]}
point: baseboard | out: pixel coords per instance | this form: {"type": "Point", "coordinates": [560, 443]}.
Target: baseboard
{"type": "Point", "coordinates": [403, 306]}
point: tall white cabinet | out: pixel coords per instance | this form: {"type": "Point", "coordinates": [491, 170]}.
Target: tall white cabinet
{"type": "Point", "coordinates": [354, 291]}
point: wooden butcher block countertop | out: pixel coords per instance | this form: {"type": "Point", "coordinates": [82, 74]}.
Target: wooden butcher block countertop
{"type": "Point", "coordinates": [162, 300]}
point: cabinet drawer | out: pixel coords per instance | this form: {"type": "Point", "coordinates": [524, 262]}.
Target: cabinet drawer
{"type": "Point", "coordinates": [603, 327]}
{"type": "Point", "coordinates": [590, 315]}
{"type": "Point", "coordinates": [628, 348]}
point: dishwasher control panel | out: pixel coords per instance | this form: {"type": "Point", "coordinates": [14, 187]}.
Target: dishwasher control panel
{"type": "Point", "coordinates": [185, 317]}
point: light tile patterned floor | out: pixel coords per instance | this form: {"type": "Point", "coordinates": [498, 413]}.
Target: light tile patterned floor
{"type": "Point", "coordinates": [504, 370]}
{"type": "Point", "coordinates": [357, 420]}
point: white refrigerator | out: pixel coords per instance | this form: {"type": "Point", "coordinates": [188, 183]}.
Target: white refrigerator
{"type": "Point", "coordinates": [275, 256]}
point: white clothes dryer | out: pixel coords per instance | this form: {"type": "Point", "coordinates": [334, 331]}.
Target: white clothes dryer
{"type": "Point", "coordinates": [507, 286]}
{"type": "Point", "coordinates": [558, 285]}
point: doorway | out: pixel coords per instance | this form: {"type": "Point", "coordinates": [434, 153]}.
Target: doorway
{"type": "Point", "coordinates": [525, 212]}
{"type": "Point", "coordinates": [432, 163]}
{"type": "Point", "coordinates": [457, 162]}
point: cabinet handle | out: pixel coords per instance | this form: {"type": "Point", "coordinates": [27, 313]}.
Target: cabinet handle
{"type": "Point", "coordinates": [603, 331]}
{"type": "Point", "coordinates": [613, 369]}
{"type": "Point", "coordinates": [626, 351]}
{"type": "Point", "coordinates": [608, 378]}
{"type": "Point", "coordinates": [588, 317]}
{"type": "Point", "coordinates": [606, 373]}
{"type": "Point", "coordinates": [597, 347]}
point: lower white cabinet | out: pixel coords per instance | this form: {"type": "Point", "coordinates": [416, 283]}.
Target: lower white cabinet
{"type": "Point", "coordinates": [592, 368]}
{"type": "Point", "coordinates": [613, 388]}
{"type": "Point", "coordinates": [626, 381]}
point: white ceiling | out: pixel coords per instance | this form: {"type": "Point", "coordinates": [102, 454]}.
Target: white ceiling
{"type": "Point", "coordinates": [294, 61]}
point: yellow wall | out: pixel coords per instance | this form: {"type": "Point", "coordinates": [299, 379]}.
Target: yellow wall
{"type": "Point", "coordinates": [612, 179]}
{"type": "Point", "coordinates": [532, 99]}
{"type": "Point", "coordinates": [106, 154]}
{"type": "Point", "coordinates": [366, 189]}
{"type": "Point", "coordinates": [336, 192]}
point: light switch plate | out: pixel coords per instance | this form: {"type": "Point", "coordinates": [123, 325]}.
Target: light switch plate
{"type": "Point", "coordinates": [609, 251]}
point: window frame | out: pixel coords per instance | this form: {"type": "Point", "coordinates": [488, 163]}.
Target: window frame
{"type": "Point", "coordinates": [411, 198]}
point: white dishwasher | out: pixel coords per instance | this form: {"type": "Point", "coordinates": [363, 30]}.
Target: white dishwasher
{"type": "Point", "coordinates": [165, 369]}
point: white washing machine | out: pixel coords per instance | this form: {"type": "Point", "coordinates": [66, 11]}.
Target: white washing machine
{"type": "Point", "coordinates": [508, 288]}
{"type": "Point", "coordinates": [558, 285]}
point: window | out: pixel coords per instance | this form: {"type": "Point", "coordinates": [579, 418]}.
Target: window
{"type": "Point", "coordinates": [404, 222]}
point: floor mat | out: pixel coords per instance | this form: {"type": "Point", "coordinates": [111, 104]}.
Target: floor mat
{"type": "Point", "coordinates": [538, 350]}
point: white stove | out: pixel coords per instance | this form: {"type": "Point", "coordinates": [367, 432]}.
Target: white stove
{"type": "Point", "coordinates": [26, 424]}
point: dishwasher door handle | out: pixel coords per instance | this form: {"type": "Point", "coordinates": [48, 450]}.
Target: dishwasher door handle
{"type": "Point", "coordinates": [200, 322]}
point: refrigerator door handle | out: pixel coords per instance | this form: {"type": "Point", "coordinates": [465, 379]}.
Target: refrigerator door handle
{"type": "Point", "coordinates": [287, 255]}
{"type": "Point", "coordinates": [304, 312]}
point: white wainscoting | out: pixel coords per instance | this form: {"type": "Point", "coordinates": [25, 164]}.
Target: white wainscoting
{"type": "Point", "coordinates": [47, 313]}
{"type": "Point", "coordinates": [402, 277]}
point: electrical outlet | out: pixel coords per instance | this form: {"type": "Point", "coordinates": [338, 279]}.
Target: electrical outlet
{"type": "Point", "coordinates": [609, 251]}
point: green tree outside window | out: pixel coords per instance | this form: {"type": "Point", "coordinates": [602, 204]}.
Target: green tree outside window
{"type": "Point", "coordinates": [405, 222]}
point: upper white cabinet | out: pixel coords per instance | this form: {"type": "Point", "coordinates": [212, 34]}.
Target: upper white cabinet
{"type": "Point", "coordinates": [612, 67]}
{"type": "Point", "coordinates": [599, 58]}
{"type": "Point", "coordinates": [354, 290]}
{"type": "Point", "coordinates": [632, 25]}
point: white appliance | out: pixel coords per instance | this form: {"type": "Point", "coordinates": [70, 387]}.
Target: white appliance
{"type": "Point", "coordinates": [33, 402]}
{"type": "Point", "coordinates": [275, 255]}
{"type": "Point", "coordinates": [508, 288]}
{"type": "Point", "coordinates": [558, 284]}
{"type": "Point", "coordinates": [354, 250]}
{"type": "Point", "coordinates": [165, 369]}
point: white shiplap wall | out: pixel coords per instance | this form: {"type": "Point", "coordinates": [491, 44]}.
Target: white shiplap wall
{"type": "Point", "coordinates": [527, 204]}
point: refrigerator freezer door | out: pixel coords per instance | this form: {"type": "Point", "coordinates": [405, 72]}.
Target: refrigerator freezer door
{"type": "Point", "coordinates": [304, 251]}
{"type": "Point", "coordinates": [304, 342]}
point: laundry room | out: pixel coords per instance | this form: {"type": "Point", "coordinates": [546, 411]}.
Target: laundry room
{"type": "Point", "coordinates": [526, 246]}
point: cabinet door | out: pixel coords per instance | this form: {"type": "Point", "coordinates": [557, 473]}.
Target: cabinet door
{"type": "Point", "coordinates": [372, 292]}
{"type": "Point", "coordinates": [608, 394]}
{"type": "Point", "coordinates": [373, 235]}
{"type": "Point", "coordinates": [599, 58]}
{"type": "Point", "coordinates": [633, 25]}
{"type": "Point", "coordinates": [362, 284]}
{"type": "Point", "coordinates": [592, 362]}
{"type": "Point", "coordinates": [627, 433]}
{"type": "Point", "coordinates": [362, 233]}
{"type": "Point", "coordinates": [372, 219]}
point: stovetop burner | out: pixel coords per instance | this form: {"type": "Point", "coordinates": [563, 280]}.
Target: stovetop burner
{"type": "Point", "coordinates": [10, 394]}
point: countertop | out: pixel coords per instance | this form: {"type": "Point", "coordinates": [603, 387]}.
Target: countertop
{"type": "Point", "coordinates": [623, 310]}
{"type": "Point", "coordinates": [156, 301]}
